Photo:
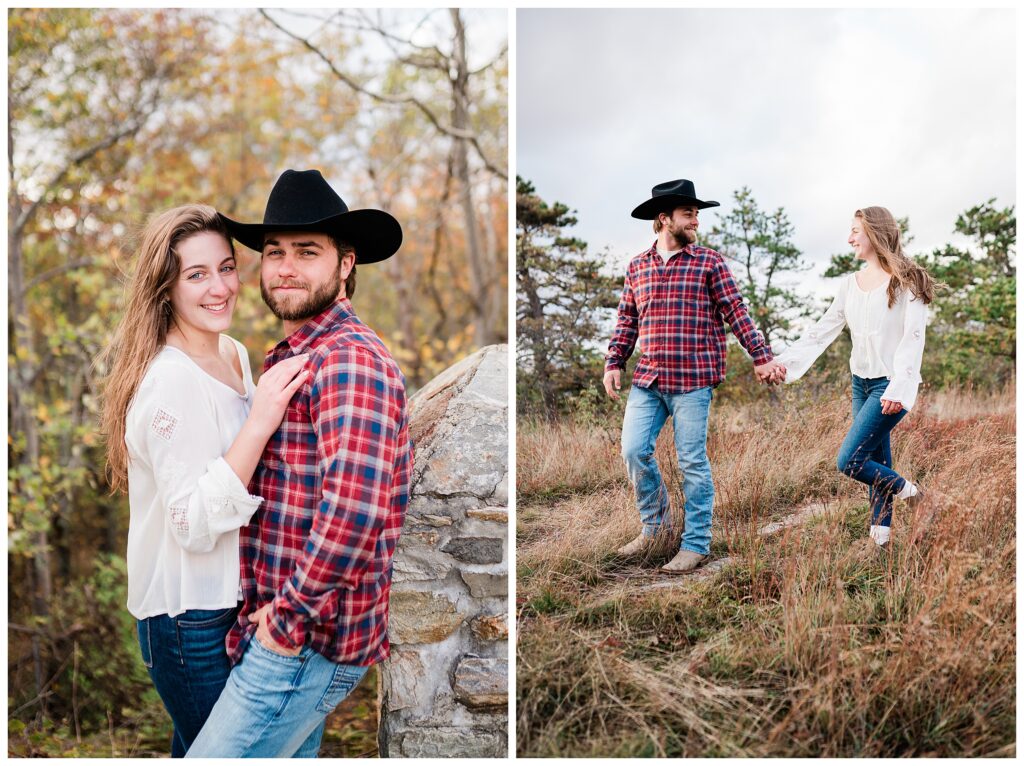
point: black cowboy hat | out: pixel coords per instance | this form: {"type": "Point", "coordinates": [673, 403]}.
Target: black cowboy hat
{"type": "Point", "coordinates": [667, 197]}
{"type": "Point", "coordinates": [302, 200]}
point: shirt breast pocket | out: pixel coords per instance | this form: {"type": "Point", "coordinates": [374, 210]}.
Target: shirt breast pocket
{"type": "Point", "coordinates": [643, 295]}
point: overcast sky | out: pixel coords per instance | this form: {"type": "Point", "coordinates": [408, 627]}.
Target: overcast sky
{"type": "Point", "coordinates": [817, 111]}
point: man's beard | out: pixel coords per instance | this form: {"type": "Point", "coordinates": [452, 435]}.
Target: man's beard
{"type": "Point", "coordinates": [318, 301]}
{"type": "Point", "coordinates": [683, 235]}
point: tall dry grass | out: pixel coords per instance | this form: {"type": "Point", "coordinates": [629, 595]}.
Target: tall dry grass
{"type": "Point", "coordinates": [564, 458]}
{"type": "Point", "coordinates": [798, 646]}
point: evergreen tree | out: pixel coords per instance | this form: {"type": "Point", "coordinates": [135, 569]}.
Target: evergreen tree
{"type": "Point", "coordinates": [977, 313]}
{"type": "Point", "coordinates": [560, 297]}
{"type": "Point", "coordinates": [761, 245]}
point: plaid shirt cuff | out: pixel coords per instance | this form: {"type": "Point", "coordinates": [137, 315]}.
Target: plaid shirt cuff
{"type": "Point", "coordinates": [287, 627]}
{"type": "Point", "coordinates": [762, 356]}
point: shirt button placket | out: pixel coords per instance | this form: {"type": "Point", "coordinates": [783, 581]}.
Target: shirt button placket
{"type": "Point", "coordinates": [659, 290]}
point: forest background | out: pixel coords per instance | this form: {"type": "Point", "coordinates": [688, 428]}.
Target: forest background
{"type": "Point", "coordinates": [115, 115]}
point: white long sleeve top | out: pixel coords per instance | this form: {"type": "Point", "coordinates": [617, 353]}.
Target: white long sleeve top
{"type": "Point", "coordinates": [887, 342]}
{"type": "Point", "coordinates": [186, 503]}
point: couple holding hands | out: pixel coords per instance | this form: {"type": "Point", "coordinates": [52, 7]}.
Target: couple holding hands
{"type": "Point", "coordinates": [676, 299]}
{"type": "Point", "coordinates": [263, 518]}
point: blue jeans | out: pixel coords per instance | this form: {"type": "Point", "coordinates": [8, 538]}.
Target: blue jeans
{"type": "Point", "coordinates": [647, 409]}
{"type": "Point", "coordinates": [186, 659]}
{"type": "Point", "coordinates": [866, 454]}
{"type": "Point", "coordinates": [275, 706]}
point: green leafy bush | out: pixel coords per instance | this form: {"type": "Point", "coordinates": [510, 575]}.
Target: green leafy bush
{"type": "Point", "coordinates": [88, 646]}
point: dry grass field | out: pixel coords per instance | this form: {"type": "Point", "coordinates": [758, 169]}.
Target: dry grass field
{"type": "Point", "coordinates": [788, 643]}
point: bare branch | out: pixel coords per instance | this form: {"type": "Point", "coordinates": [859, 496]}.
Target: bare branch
{"type": "Point", "coordinates": [425, 62]}
{"type": "Point", "coordinates": [449, 130]}
{"type": "Point", "coordinates": [83, 156]}
{"type": "Point", "coordinates": [400, 100]}
{"type": "Point", "coordinates": [377, 28]}
{"type": "Point", "coordinates": [316, 17]}
{"type": "Point", "coordinates": [45, 691]}
{"type": "Point", "coordinates": [500, 55]}
{"type": "Point", "coordinates": [435, 253]}
{"type": "Point", "coordinates": [487, 163]}
{"type": "Point", "coordinates": [58, 270]}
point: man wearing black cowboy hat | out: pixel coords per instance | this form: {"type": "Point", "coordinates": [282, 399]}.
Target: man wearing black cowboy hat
{"type": "Point", "coordinates": [334, 480]}
{"type": "Point", "coordinates": [676, 298]}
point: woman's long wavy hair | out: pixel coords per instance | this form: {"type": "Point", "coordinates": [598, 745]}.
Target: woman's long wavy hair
{"type": "Point", "coordinates": [884, 235]}
{"type": "Point", "coordinates": [146, 320]}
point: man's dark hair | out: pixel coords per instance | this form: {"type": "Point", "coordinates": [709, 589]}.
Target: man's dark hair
{"type": "Point", "coordinates": [344, 247]}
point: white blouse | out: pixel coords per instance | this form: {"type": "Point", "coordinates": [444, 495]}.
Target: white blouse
{"type": "Point", "coordinates": [186, 503]}
{"type": "Point", "coordinates": [887, 342]}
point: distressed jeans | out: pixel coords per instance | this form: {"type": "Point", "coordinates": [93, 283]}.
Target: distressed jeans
{"type": "Point", "coordinates": [866, 454]}
{"type": "Point", "coordinates": [275, 706]}
{"type": "Point", "coordinates": [647, 409]}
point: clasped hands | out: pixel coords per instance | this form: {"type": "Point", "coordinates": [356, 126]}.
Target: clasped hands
{"type": "Point", "coordinates": [771, 373]}
{"type": "Point", "coordinates": [774, 373]}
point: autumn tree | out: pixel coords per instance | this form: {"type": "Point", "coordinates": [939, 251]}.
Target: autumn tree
{"type": "Point", "coordinates": [432, 91]}
{"type": "Point", "coordinates": [83, 88]}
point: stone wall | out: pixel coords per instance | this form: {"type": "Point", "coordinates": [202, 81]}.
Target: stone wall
{"type": "Point", "coordinates": [444, 692]}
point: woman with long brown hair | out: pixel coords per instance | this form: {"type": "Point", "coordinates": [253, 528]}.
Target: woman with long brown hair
{"type": "Point", "coordinates": [884, 305]}
{"type": "Point", "coordinates": [185, 428]}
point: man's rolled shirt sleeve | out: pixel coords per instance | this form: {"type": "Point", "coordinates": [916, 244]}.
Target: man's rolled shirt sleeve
{"type": "Point", "coordinates": [352, 407]}
{"type": "Point", "coordinates": [626, 327]}
{"type": "Point", "coordinates": [730, 303]}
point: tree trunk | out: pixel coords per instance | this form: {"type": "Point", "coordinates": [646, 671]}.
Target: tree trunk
{"type": "Point", "coordinates": [401, 278]}
{"type": "Point", "coordinates": [22, 417]}
{"type": "Point", "coordinates": [497, 311]}
{"type": "Point", "coordinates": [483, 334]}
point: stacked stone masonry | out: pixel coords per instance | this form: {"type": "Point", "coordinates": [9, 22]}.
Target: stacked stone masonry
{"type": "Point", "coordinates": [444, 692]}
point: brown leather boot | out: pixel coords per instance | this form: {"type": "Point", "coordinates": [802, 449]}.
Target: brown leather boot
{"type": "Point", "coordinates": [684, 562]}
{"type": "Point", "coordinates": [641, 544]}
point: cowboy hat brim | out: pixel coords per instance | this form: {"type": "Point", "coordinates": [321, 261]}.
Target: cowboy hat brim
{"type": "Point", "coordinates": [663, 203]}
{"type": "Point", "coordinates": [374, 234]}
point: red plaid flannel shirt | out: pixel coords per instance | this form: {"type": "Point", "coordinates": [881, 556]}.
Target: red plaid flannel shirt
{"type": "Point", "coordinates": [676, 311]}
{"type": "Point", "coordinates": [335, 483]}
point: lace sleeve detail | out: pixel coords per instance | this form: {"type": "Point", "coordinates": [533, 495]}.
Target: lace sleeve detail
{"type": "Point", "coordinates": [179, 518]}
{"type": "Point", "coordinates": [164, 423]}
